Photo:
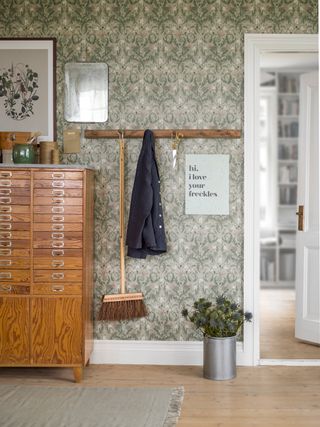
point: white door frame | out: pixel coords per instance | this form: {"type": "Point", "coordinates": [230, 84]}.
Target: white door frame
{"type": "Point", "coordinates": [254, 45]}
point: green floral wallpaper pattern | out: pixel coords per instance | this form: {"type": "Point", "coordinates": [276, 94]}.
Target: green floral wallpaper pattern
{"type": "Point", "coordinates": [173, 63]}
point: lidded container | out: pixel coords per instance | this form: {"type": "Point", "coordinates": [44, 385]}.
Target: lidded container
{"type": "Point", "coordinates": [23, 153]}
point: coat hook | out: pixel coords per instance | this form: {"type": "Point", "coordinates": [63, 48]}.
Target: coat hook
{"type": "Point", "coordinates": [121, 133]}
{"type": "Point", "coordinates": [175, 145]}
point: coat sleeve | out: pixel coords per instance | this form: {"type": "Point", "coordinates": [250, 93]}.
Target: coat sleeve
{"type": "Point", "coordinates": [141, 199]}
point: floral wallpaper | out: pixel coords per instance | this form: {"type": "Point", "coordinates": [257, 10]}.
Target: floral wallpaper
{"type": "Point", "coordinates": [172, 64]}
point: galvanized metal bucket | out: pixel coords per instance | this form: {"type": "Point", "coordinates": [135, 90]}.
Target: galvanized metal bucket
{"type": "Point", "coordinates": [219, 358]}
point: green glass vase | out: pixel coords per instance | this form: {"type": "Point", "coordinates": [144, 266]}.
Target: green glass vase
{"type": "Point", "coordinates": [23, 153]}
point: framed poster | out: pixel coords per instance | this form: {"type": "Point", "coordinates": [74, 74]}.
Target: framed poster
{"type": "Point", "coordinates": [28, 86]}
{"type": "Point", "coordinates": [207, 184]}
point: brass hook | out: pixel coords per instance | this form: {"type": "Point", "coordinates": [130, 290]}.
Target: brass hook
{"type": "Point", "coordinates": [177, 139]}
{"type": "Point", "coordinates": [179, 135]}
{"type": "Point", "coordinates": [175, 145]}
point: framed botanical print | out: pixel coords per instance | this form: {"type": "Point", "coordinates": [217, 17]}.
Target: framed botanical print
{"type": "Point", "coordinates": [28, 86]}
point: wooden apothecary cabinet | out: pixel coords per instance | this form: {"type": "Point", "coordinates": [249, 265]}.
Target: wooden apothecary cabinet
{"type": "Point", "coordinates": [46, 266]}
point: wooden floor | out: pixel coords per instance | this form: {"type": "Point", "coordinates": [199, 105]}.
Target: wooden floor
{"type": "Point", "coordinates": [264, 396]}
{"type": "Point", "coordinates": [277, 319]}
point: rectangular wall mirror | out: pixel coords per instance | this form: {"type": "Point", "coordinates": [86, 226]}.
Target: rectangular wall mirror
{"type": "Point", "coordinates": [86, 92]}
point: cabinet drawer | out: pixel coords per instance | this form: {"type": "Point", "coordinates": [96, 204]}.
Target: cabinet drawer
{"type": "Point", "coordinates": [57, 201]}
{"type": "Point", "coordinates": [57, 289]}
{"type": "Point", "coordinates": [15, 192]}
{"type": "Point", "coordinates": [57, 263]}
{"type": "Point", "coordinates": [56, 192]}
{"type": "Point", "coordinates": [14, 200]}
{"type": "Point", "coordinates": [9, 252]}
{"type": "Point", "coordinates": [10, 217]}
{"type": "Point", "coordinates": [56, 253]}
{"type": "Point", "coordinates": [58, 183]}
{"type": "Point", "coordinates": [58, 175]}
{"type": "Point", "coordinates": [12, 262]}
{"type": "Point", "coordinates": [58, 244]}
{"type": "Point", "coordinates": [59, 235]}
{"type": "Point", "coordinates": [14, 244]}
{"type": "Point", "coordinates": [8, 288]}
{"type": "Point", "coordinates": [57, 218]}
{"type": "Point", "coordinates": [49, 209]}
{"type": "Point", "coordinates": [57, 276]}
{"type": "Point", "coordinates": [16, 183]}
{"type": "Point", "coordinates": [15, 276]}
{"type": "Point", "coordinates": [16, 209]}
{"type": "Point", "coordinates": [14, 226]}
{"type": "Point", "coordinates": [14, 235]}
{"type": "Point", "coordinates": [14, 174]}
{"type": "Point", "coordinates": [56, 226]}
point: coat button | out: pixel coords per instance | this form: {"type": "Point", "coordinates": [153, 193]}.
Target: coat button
{"type": "Point", "coordinates": [160, 226]}
{"type": "Point", "coordinates": [159, 204]}
{"type": "Point", "coordinates": [160, 215]}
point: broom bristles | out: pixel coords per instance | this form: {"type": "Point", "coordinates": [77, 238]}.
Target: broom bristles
{"type": "Point", "coordinates": [122, 310]}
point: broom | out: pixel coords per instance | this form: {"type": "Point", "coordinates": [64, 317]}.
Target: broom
{"type": "Point", "coordinates": [122, 306]}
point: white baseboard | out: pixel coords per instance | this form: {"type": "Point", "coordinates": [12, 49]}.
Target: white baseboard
{"type": "Point", "coordinates": [129, 352]}
{"type": "Point", "coordinates": [289, 362]}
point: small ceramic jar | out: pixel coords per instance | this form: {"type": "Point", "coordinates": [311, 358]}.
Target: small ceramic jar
{"type": "Point", "coordinates": [23, 153]}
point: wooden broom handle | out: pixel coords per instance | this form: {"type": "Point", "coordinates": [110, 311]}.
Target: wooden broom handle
{"type": "Point", "coordinates": [122, 244]}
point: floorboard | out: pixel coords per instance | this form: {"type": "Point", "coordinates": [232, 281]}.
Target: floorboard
{"type": "Point", "coordinates": [264, 396]}
{"type": "Point", "coordinates": [277, 319]}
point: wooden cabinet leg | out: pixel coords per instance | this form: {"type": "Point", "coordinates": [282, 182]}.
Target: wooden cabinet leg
{"type": "Point", "coordinates": [77, 373]}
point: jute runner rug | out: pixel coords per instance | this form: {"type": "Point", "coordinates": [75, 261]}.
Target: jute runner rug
{"type": "Point", "coordinates": [39, 406]}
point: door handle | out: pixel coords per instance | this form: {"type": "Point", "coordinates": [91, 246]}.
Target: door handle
{"type": "Point", "coordinates": [5, 191]}
{"type": "Point", "coordinates": [4, 174]}
{"type": "Point", "coordinates": [300, 214]}
{"type": "Point", "coordinates": [6, 288]}
{"type": "Point", "coordinates": [5, 183]}
{"type": "Point", "coordinates": [6, 275]}
{"type": "Point", "coordinates": [5, 252]}
{"type": "Point", "coordinates": [56, 263]}
{"type": "Point", "coordinates": [57, 276]}
{"type": "Point", "coordinates": [57, 175]}
{"type": "Point", "coordinates": [57, 252]}
{"type": "Point", "coordinates": [5, 208]}
{"type": "Point", "coordinates": [57, 288]}
{"type": "Point", "coordinates": [5, 226]}
{"type": "Point", "coordinates": [5, 200]}
{"type": "Point", "coordinates": [5, 217]}
{"type": "Point", "coordinates": [57, 192]}
{"type": "Point", "coordinates": [5, 262]}
{"type": "Point", "coordinates": [57, 184]}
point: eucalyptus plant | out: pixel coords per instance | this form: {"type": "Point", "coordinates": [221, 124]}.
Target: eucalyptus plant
{"type": "Point", "coordinates": [224, 318]}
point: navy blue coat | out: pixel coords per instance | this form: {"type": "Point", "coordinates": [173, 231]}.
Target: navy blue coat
{"type": "Point", "coordinates": [145, 233]}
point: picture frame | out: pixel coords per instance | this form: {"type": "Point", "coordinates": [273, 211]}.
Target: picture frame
{"type": "Point", "coordinates": [207, 184]}
{"type": "Point", "coordinates": [28, 86]}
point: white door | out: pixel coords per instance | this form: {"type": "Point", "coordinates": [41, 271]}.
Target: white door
{"type": "Point", "coordinates": [307, 253]}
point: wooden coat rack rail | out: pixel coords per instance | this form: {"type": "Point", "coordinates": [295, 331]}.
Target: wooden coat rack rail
{"type": "Point", "coordinates": [164, 133]}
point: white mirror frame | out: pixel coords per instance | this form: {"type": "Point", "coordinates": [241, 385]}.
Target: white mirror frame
{"type": "Point", "coordinates": [86, 92]}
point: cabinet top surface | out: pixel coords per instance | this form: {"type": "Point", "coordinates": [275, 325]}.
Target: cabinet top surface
{"type": "Point", "coordinates": [40, 166]}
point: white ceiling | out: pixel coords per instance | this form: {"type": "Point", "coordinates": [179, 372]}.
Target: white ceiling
{"type": "Point", "coordinates": [294, 60]}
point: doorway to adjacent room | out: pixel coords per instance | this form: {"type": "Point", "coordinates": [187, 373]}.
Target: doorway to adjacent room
{"type": "Point", "coordinates": [281, 173]}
